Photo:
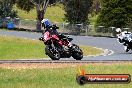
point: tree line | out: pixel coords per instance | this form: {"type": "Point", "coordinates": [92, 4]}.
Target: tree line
{"type": "Point", "coordinates": [117, 13]}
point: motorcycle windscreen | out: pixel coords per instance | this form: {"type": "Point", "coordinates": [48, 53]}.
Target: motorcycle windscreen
{"type": "Point", "coordinates": [46, 36]}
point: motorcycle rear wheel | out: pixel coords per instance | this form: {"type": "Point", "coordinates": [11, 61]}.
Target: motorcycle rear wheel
{"type": "Point", "coordinates": [53, 54]}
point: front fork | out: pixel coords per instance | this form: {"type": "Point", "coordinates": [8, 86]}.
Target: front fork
{"type": "Point", "coordinates": [54, 48]}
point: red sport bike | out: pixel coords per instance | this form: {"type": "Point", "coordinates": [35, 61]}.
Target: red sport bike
{"type": "Point", "coordinates": [57, 47]}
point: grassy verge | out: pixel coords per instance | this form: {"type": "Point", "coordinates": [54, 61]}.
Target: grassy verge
{"type": "Point", "coordinates": [18, 48]}
{"type": "Point", "coordinates": [93, 19]}
{"type": "Point", "coordinates": [60, 77]}
{"type": "Point", "coordinates": [54, 13]}
{"type": "Point", "coordinates": [88, 50]}
{"type": "Point", "coordinates": [93, 33]}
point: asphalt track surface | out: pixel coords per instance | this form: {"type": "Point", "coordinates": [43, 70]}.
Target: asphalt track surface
{"type": "Point", "coordinates": [115, 50]}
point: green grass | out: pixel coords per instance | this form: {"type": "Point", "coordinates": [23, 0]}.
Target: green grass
{"type": "Point", "coordinates": [60, 77]}
{"type": "Point", "coordinates": [88, 50]}
{"type": "Point", "coordinates": [93, 33]}
{"type": "Point", "coordinates": [54, 13]}
{"type": "Point", "coordinates": [18, 48]}
{"type": "Point", "coordinates": [93, 19]}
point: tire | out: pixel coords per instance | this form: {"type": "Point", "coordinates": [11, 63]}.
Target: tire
{"type": "Point", "coordinates": [77, 52]}
{"type": "Point", "coordinates": [51, 54]}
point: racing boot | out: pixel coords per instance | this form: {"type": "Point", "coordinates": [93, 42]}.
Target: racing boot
{"type": "Point", "coordinates": [126, 48]}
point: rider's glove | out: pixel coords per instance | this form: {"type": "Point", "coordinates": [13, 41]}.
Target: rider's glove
{"type": "Point", "coordinates": [41, 38]}
{"type": "Point", "coordinates": [120, 40]}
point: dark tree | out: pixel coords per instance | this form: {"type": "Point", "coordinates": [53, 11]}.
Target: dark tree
{"type": "Point", "coordinates": [96, 7]}
{"type": "Point", "coordinates": [117, 13]}
{"type": "Point", "coordinates": [6, 9]}
{"type": "Point", "coordinates": [26, 5]}
{"type": "Point", "coordinates": [52, 2]}
{"type": "Point", "coordinates": [40, 6]}
{"type": "Point", "coordinates": [77, 10]}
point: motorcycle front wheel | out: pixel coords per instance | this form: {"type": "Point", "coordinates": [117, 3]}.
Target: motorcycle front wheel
{"type": "Point", "coordinates": [77, 52]}
{"type": "Point", "coordinates": [52, 53]}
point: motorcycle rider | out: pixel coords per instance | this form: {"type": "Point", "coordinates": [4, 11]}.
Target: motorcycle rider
{"type": "Point", "coordinates": [53, 29]}
{"type": "Point", "coordinates": [124, 37]}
